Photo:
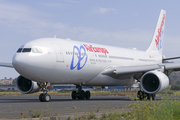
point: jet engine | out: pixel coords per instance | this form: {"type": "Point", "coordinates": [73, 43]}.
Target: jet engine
{"type": "Point", "coordinates": [26, 86]}
{"type": "Point", "coordinates": [154, 81]}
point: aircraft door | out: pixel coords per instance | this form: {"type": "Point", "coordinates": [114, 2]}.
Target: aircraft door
{"type": "Point", "coordinates": [59, 55]}
{"type": "Point", "coordinates": [136, 58]}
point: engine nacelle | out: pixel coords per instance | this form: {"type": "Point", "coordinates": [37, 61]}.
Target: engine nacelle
{"type": "Point", "coordinates": [26, 86]}
{"type": "Point", "coordinates": [154, 81]}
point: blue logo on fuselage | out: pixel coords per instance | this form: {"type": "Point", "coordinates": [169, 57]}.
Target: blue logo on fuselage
{"type": "Point", "coordinates": [81, 55]}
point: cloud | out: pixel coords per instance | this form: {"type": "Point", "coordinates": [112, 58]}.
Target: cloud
{"type": "Point", "coordinates": [53, 5]}
{"type": "Point", "coordinates": [71, 1]}
{"type": "Point", "coordinates": [135, 14]}
{"type": "Point", "coordinates": [18, 13]}
{"type": "Point", "coordinates": [21, 17]}
{"type": "Point", "coordinates": [64, 3]}
{"type": "Point", "coordinates": [102, 11]}
{"type": "Point", "coordinates": [28, 20]}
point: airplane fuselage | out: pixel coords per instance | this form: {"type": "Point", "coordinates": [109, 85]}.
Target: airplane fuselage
{"type": "Point", "coordinates": [61, 61]}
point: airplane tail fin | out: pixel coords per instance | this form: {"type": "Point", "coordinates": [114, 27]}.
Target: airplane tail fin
{"type": "Point", "coordinates": [156, 44]}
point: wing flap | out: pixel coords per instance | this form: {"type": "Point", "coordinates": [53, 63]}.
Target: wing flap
{"type": "Point", "coordinates": [6, 65]}
{"type": "Point", "coordinates": [141, 69]}
{"type": "Point", "coordinates": [169, 66]}
{"type": "Point", "coordinates": [136, 69]}
{"type": "Point", "coordinates": [130, 69]}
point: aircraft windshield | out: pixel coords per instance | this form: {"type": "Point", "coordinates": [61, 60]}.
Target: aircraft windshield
{"type": "Point", "coordinates": [26, 50]}
{"type": "Point", "coordinates": [37, 50]}
{"type": "Point", "coordinates": [34, 50]}
{"type": "Point", "coordinates": [19, 50]}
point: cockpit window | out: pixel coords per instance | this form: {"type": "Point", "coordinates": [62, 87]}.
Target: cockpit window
{"type": "Point", "coordinates": [26, 50]}
{"type": "Point", "coordinates": [36, 50]}
{"type": "Point", "coordinates": [19, 50]}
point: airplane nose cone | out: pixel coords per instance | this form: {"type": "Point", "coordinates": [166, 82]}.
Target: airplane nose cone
{"type": "Point", "coordinates": [20, 63]}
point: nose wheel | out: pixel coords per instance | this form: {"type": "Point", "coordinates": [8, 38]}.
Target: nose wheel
{"type": "Point", "coordinates": [44, 97]}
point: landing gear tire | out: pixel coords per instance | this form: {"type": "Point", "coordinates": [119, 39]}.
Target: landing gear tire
{"type": "Point", "coordinates": [44, 97]}
{"type": "Point", "coordinates": [73, 95]}
{"type": "Point", "coordinates": [81, 95]}
{"type": "Point", "coordinates": [154, 96]}
{"type": "Point", "coordinates": [41, 97]}
{"type": "Point", "coordinates": [140, 95]}
{"type": "Point", "coordinates": [143, 96]}
{"type": "Point", "coordinates": [87, 95]}
{"type": "Point", "coordinates": [47, 97]}
{"type": "Point", "coordinates": [151, 97]}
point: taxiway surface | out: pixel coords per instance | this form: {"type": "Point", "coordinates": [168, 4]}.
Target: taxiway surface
{"type": "Point", "coordinates": [11, 107]}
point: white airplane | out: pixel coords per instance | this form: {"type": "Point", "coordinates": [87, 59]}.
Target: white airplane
{"type": "Point", "coordinates": [62, 61]}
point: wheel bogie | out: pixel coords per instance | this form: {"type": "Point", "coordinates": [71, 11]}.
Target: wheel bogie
{"type": "Point", "coordinates": [80, 95]}
{"type": "Point", "coordinates": [141, 95]}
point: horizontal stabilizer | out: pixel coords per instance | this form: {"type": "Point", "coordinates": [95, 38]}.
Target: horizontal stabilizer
{"type": "Point", "coordinates": [171, 58]}
{"type": "Point", "coordinates": [6, 65]}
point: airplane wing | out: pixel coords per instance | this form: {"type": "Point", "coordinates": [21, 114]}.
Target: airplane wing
{"type": "Point", "coordinates": [141, 69]}
{"type": "Point", "coordinates": [6, 65]}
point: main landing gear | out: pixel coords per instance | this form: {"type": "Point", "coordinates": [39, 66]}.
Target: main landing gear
{"type": "Point", "coordinates": [143, 96]}
{"type": "Point", "coordinates": [80, 94]}
{"type": "Point", "coordinates": [44, 97]}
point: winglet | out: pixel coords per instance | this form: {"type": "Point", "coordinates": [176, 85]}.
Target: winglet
{"type": "Point", "coordinates": [156, 44]}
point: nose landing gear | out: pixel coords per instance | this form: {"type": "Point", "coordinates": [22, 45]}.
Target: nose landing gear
{"type": "Point", "coordinates": [44, 97]}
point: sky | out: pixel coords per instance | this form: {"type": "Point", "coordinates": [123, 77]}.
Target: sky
{"type": "Point", "coordinates": [121, 23]}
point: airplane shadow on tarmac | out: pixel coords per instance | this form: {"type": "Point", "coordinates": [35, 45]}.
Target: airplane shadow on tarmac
{"type": "Point", "coordinates": [28, 99]}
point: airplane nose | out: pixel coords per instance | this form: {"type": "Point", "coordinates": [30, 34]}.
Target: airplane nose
{"type": "Point", "coordinates": [20, 63]}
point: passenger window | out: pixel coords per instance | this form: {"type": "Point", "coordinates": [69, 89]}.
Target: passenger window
{"type": "Point", "coordinates": [26, 50]}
